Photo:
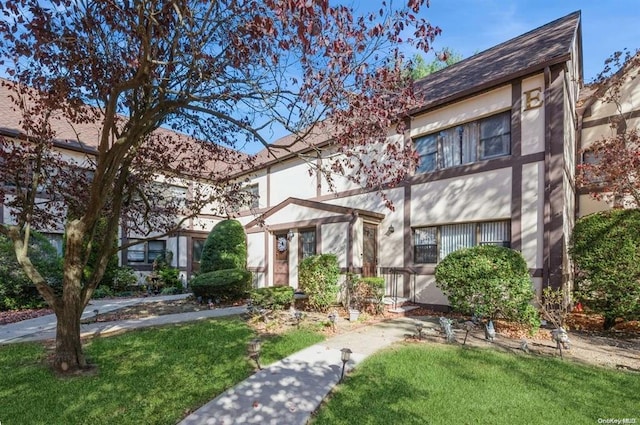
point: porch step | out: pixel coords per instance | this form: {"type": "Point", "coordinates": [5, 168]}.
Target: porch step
{"type": "Point", "coordinates": [398, 305]}
{"type": "Point", "coordinates": [403, 309]}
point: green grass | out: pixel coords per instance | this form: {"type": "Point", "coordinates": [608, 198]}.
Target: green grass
{"type": "Point", "coordinates": [451, 385]}
{"type": "Point", "coordinates": [150, 376]}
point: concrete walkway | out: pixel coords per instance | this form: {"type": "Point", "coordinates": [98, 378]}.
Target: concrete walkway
{"type": "Point", "coordinates": [44, 327]}
{"type": "Point", "coordinates": [289, 391]}
{"type": "Point", "coordinates": [286, 392]}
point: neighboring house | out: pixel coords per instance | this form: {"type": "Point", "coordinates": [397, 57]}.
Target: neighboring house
{"type": "Point", "coordinates": [605, 110]}
{"type": "Point", "coordinates": [496, 137]}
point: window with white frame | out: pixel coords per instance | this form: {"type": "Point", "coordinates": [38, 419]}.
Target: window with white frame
{"type": "Point", "coordinates": [466, 143]}
{"type": "Point", "coordinates": [146, 252]}
{"type": "Point", "coordinates": [432, 244]}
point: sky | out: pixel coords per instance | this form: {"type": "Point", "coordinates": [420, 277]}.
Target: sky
{"type": "Point", "coordinates": [471, 26]}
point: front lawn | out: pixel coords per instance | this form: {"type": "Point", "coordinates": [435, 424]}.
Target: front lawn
{"type": "Point", "coordinates": [421, 384]}
{"type": "Point", "coordinates": [150, 376]}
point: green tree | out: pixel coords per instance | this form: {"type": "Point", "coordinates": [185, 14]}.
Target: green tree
{"type": "Point", "coordinates": [219, 71]}
{"type": "Point", "coordinates": [606, 249]}
{"type": "Point", "coordinates": [225, 247]}
{"type": "Point", "coordinates": [420, 68]}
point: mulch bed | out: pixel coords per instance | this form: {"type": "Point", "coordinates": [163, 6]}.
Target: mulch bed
{"type": "Point", "coordinates": [13, 316]}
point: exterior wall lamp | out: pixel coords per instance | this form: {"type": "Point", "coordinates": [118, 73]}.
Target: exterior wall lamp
{"type": "Point", "coordinates": [290, 235]}
{"type": "Point", "coordinates": [390, 230]}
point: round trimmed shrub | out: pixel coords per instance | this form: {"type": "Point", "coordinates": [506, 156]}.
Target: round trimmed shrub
{"type": "Point", "coordinates": [487, 280]}
{"type": "Point", "coordinates": [272, 298]}
{"type": "Point", "coordinates": [225, 247]}
{"type": "Point", "coordinates": [606, 250]}
{"type": "Point", "coordinates": [223, 285]}
{"type": "Point", "coordinates": [16, 289]}
{"type": "Point", "coordinates": [318, 278]}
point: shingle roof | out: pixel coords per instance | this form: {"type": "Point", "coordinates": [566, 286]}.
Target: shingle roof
{"type": "Point", "coordinates": [527, 53]}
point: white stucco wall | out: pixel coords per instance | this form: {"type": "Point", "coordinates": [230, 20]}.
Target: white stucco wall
{"type": "Point", "coordinates": [334, 241]}
{"type": "Point", "coordinates": [428, 293]}
{"type": "Point", "coordinates": [481, 196]}
{"type": "Point", "coordinates": [532, 219]}
{"type": "Point", "coordinates": [291, 179]}
{"type": "Point", "coordinates": [532, 125]}
{"type": "Point", "coordinates": [255, 249]}
{"type": "Point", "coordinates": [468, 110]}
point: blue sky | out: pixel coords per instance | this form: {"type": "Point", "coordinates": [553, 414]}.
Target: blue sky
{"type": "Point", "coordinates": [470, 26]}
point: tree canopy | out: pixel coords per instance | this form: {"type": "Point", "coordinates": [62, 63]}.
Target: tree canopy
{"type": "Point", "coordinates": [154, 93]}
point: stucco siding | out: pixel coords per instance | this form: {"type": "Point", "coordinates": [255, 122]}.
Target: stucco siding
{"type": "Point", "coordinates": [533, 118]}
{"type": "Point", "coordinates": [471, 109]}
{"type": "Point", "coordinates": [291, 179]}
{"type": "Point", "coordinates": [475, 197]}
{"type": "Point", "coordinates": [532, 236]}
{"type": "Point", "coordinates": [334, 241]}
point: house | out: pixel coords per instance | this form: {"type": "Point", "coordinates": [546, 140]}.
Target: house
{"type": "Point", "coordinates": [606, 109]}
{"type": "Point", "coordinates": [497, 141]}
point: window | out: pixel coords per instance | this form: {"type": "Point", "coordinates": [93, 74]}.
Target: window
{"type": "Point", "coordinates": [254, 191]}
{"type": "Point", "coordinates": [432, 244]}
{"type": "Point", "coordinates": [55, 239]}
{"type": "Point", "coordinates": [464, 144]}
{"type": "Point", "coordinates": [591, 158]}
{"type": "Point", "coordinates": [425, 248]}
{"type": "Point", "coordinates": [197, 245]}
{"type": "Point", "coordinates": [307, 243]}
{"type": "Point", "coordinates": [146, 252]}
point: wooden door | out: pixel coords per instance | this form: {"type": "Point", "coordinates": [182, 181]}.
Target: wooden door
{"type": "Point", "coordinates": [281, 263]}
{"type": "Point", "coordinates": [369, 249]}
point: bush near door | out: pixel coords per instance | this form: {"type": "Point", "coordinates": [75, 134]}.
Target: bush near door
{"type": "Point", "coordinates": [318, 278]}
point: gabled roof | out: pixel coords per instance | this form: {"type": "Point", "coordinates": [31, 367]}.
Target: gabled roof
{"type": "Point", "coordinates": [337, 209]}
{"type": "Point", "coordinates": [528, 53]}
{"type": "Point", "coordinates": [547, 45]}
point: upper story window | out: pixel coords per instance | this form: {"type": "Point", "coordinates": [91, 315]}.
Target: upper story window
{"type": "Point", "coordinates": [432, 244]}
{"type": "Point", "coordinates": [254, 191]}
{"type": "Point", "coordinates": [463, 144]}
{"type": "Point", "coordinates": [146, 252]}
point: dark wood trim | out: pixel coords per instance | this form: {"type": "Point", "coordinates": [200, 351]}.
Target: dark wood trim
{"type": "Point", "coordinates": [318, 175]}
{"type": "Point", "coordinates": [338, 209]}
{"type": "Point", "coordinates": [516, 169]}
{"type": "Point", "coordinates": [609, 119]}
{"type": "Point", "coordinates": [536, 272]}
{"type": "Point", "coordinates": [554, 168]}
{"type": "Point", "coordinates": [318, 238]}
{"type": "Point", "coordinates": [300, 224]}
{"type": "Point", "coordinates": [267, 256]}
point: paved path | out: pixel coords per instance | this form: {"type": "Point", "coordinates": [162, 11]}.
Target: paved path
{"type": "Point", "coordinates": [289, 391]}
{"type": "Point", "coordinates": [44, 327]}
{"type": "Point", "coordinates": [286, 392]}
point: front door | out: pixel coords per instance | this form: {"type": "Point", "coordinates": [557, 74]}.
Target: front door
{"type": "Point", "coordinates": [369, 249]}
{"type": "Point", "coordinates": [281, 263]}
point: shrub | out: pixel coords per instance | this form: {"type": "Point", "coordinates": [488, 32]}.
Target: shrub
{"type": "Point", "coordinates": [368, 291]}
{"type": "Point", "coordinates": [606, 250]}
{"type": "Point", "coordinates": [102, 291]}
{"type": "Point", "coordinates": [225, 247]}
{"type": "Point", "coordinates": [489, 281]}
{"type": "Point", "coordinates": [16, 289]}
{"type": "Point", "coordinates": [318, 278]}
{"type": "Point", "coordinates": [272, 298]}
{"type": "Point", "coordinates": [223, 285]}
{"type": "Point", "coordinates": [123, 278]}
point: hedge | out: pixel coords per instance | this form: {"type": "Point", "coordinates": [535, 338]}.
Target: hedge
{"type": "Point", "coordinates": [225, 247]}
{"type": "Point", "coordinates": [222, 285]}
{"type": "Point", "coordinates": [318, 278]}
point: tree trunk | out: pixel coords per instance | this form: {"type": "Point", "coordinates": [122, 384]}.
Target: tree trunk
{"type": "Point", "coordinates": [68, 355]}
